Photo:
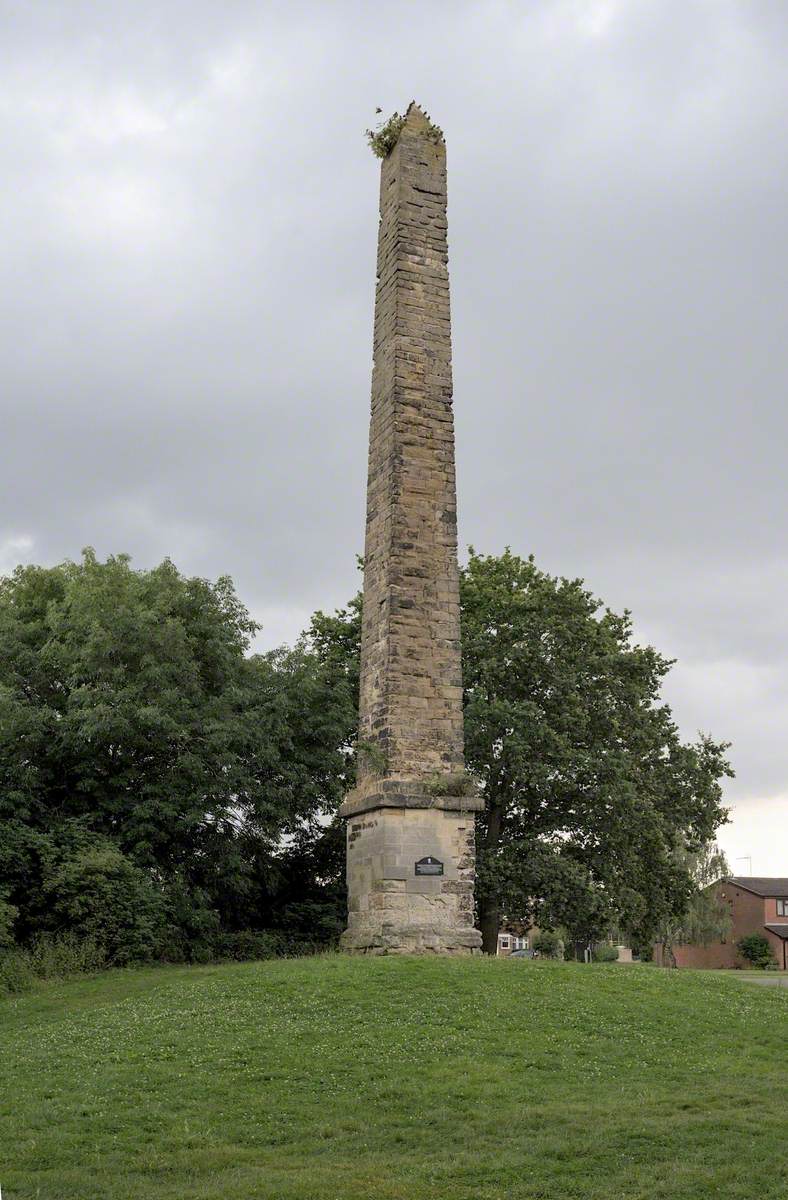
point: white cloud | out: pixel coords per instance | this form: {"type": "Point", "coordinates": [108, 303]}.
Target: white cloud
{"type": "Point", "coordinates": [15, 549]}
{"type": "Point", "coordinates": [757, 832]}
{"type": "Point", "coordinates": [595, 17]}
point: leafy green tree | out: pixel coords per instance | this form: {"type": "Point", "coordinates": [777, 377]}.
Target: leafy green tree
{"type": "Point", "coordinates": [97, 894]}
{"type": "Point", "coordinates": [133, 716]}
{"type": "Point", "coordinates": [119, 702]}
{"type": "Point", "coordinates": [706, 917]}
{"type": "Point", "coordinates": [131, 710]}
{"type": "Point", "coordinates": [309, 898]}
{"type": "Point", "coordinates": [336, 640]}
{"type": "Point", "coordinates": [588, 786]}
{"type": "Point", "coordinates": [586, 781]}
{"type": "Point", "coordinates": [8, 915]}
{"type": "Point", "coordinates": [542, 880]}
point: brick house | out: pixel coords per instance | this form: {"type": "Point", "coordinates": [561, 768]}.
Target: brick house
{"type": "Point", "coordinates": [757, 905]}
{"type": "Point", "coordinates": [515, 937]}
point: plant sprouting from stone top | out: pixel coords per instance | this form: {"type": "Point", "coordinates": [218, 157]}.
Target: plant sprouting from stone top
{"type": "Point", "coordinates": [383, 139]}
{"type": "Point", "coordinates": [373, 758]}
{"type": "Point", "coordinates": [458, 784]}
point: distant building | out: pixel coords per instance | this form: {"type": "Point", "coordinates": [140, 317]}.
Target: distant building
{"type": "Point", "coordinates": [515, 937]}
{"type": "Point", "coordinates": [757, 905]}
{"type": "Point", "coordinates": [518, 936]}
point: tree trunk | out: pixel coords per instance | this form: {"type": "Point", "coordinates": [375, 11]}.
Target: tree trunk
{"type": "Point", "coordinates": [489, 909]}
{"type": "Point", "coordinates": [489, 922]}
{"type": "Point", "coordinates": [668, 957]}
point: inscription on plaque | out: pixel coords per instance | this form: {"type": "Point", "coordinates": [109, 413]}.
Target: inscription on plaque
{"type": "Point", "coordinates": [429, 866]}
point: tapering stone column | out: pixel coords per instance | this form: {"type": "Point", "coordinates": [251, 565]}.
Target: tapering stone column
{"type": "Point", "coordinates": [410, 823]}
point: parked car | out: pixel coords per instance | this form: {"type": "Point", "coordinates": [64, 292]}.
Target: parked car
{"type": "Point", "coordinates": [522, 954]}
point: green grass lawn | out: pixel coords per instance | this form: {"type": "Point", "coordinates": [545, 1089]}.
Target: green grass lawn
{"type": "Point", "coordinates": [394, 1079]}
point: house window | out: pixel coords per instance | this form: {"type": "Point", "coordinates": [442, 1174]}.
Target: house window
{"type": "Point", "coordinates": [504, 943]}
{"type": "Point", "coordinates": [521, 943]}
{"type": "Point", "coordinates": [782, 908]}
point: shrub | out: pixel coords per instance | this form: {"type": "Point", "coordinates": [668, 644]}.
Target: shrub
{"type": "Point", "coordinates": [56, 956]}
{"type": "Point", "coordinates": [103, 898]}
{"type": "Point", "coordinates": [603, 954]}
{"type": "Point", "coordinates": [251, 944]}
{"type": "Point", "coordinates": [192, 931]}
{"type": "Point", "coordinates": [49, 956]}
{"type": "Point", "coordinates": [296, 946]}
{"type": "Point", "coordinates": [16, 974]}
{"type": "Point", "coordinates": [755, 948]}
{"type": "Point", "coordinates": [548, 944]}
{"type": "Point", "coordinates": [8, 914]}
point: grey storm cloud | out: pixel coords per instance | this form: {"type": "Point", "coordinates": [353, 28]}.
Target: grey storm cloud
{"type": "Point", "coordinates": [189, 216]}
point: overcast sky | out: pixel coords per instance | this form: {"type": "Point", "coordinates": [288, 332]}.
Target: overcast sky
{"type": "Point", "coordinates": [189, 215]}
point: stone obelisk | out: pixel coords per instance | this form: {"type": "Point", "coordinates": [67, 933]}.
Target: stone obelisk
{"type": "Point", "coordinates": [410, 822]}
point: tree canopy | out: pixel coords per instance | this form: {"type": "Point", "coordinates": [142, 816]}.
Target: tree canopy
{"type": "Point", "coordinates": [588, 786]}
{"type": "Point", "coordinates": [587, 782]}
{"type": "Point", "coordinates": [140, 741]}
{"type": "Point", "coordinates": [163, 789]}
{"type": "Point", "coordinates": [706, 917]}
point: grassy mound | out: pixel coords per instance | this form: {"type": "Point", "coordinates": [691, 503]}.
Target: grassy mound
{"type": "Point", "coordinates": [394, 1079]}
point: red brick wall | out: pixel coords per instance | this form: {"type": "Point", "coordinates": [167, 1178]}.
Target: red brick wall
{"type": "Point", "coordinates": [718, 954]}
{"type": "Point", "coordinates": [748, 914]}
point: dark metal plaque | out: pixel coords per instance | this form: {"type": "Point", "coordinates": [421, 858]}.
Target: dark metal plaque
{"type": "Point", "coordinates": [429, 866]}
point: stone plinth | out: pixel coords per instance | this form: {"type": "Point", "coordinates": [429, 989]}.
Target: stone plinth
{"type": "Point", "coordinates": [391, 909]}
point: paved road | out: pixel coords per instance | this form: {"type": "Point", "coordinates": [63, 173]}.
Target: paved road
{"type": "Point", "coordinates": [767, 980]}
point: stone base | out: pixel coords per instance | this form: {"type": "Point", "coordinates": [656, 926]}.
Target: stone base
{"type": "Point", "coordinates": [411, 939]}
{"type": "Point", "coordinates": [396, 904]}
